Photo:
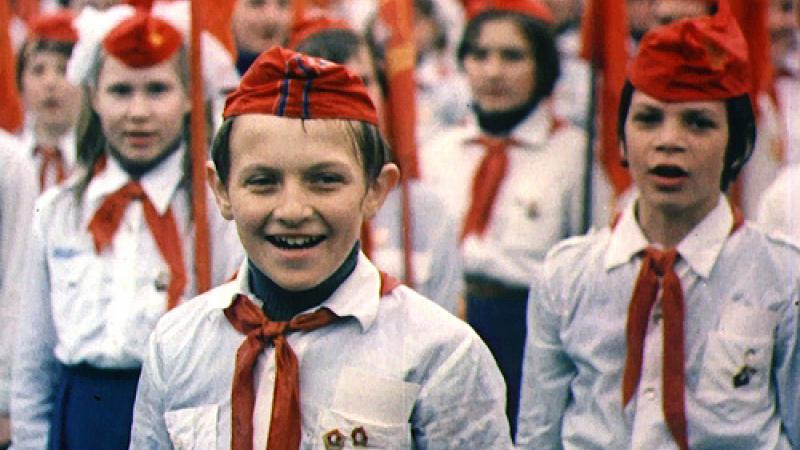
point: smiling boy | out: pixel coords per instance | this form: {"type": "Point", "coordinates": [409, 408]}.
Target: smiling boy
{"type": "Point", "coordinates": [311, 346]}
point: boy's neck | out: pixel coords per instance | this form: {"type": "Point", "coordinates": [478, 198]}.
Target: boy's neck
{"type": "Point", "coordinates": [49, 134]}
{"type": "Point", "coordinates": [669, 226]}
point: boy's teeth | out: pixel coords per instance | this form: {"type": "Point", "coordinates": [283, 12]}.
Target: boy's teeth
{"type": "Point", "coordinates": [296, 241]}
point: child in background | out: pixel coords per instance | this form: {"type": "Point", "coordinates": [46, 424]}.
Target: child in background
{"type": "Point", "coordinates": [113, 248]}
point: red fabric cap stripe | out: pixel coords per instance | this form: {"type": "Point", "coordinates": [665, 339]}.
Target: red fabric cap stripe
{"type": "Point", "coordinates": [282, 82]}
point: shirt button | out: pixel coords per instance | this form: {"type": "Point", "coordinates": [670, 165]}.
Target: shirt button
{"type": "Point", "coordinates": [650, 394]}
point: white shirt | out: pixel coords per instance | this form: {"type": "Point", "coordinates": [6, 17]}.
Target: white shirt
{"type": "Point", "coordinates": [779, 211]}
{"type": "Point", "coordinates": [539, 203]}
{"type": "Point", "coordinates": [438, 270]}
{"type": "Point", "coordinates": [18, 190]}
{"type": "Point", "coordinates": [67, 146]}
{"type": "Point", "coordinates": [740, 292]}
{"type": "Point", "coordinates": [412, 375]}
{"type": "Point", "coordinates": [82, 307]}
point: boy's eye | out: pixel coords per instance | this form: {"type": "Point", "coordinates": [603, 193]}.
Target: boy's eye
{"type": "Point", "coordinates": [262, 181]}
{"type": "Point", "coordinates": [326, 179]}
{"type": "Point", "coordinates": [120, 90]}
{"type": "Point", "coordinates": [647, 117]}
{"type": "Point", "coordinates": [512, 54]}
{"type": "Point", "coordinates": [158, 88]}
{"type": "Point", "coordinates": [37, 69]}
{"type": "Point", "coordinates": [699, 121]}
{"type": "Point", "coordinates": [479, 53]}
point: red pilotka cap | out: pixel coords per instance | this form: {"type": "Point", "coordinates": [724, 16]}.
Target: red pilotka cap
{"type": "Point", "coordinates": [311, 25]}
{"type": "Point", "coordinates": [285, 83]}
{"type": "Point", "coordinates": [53, 27]}
{"type": "Point", "coordinates": [695, 59]}
{"type": "Point", "coordinates": [531, 8]}
{"type": "Point", "coordinates": [143, 40]}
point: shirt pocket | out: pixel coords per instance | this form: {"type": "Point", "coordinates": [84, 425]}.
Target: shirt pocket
{"type": "Point", "coordinates": [70, 272]}
{"type": "Point", "coordinates": [193, 428]}
{"type": "Point", "coordinates": [368, 411]}
{"type": "Point", "coordinates": [355, 433]}
{"type": "Point", "coordinates": [735, 377]}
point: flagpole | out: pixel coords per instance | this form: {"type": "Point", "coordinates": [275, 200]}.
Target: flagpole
{"type": "Point", "coordinates": [202, 254]}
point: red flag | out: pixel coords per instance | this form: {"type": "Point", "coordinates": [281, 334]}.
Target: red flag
{"type": "Point", "coordinates": [604, 43]}
{"type": "Point", "coordinates": [202, 256]}
{"type": "Point", "coordinates": [400, 112]}
{"type": "Point", "coordinates": [752, 16]}
{"type": "Point", "coordinates": [398, 17]}
{"type": "Point", "coordinates": [217, 21]}
{"type": "Point", "coordinates": [25, 9]}
{"type": "Point", "coordinates": [11, 114]}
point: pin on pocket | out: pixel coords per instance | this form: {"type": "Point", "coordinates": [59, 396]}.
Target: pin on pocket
{"type": "Point", "coordinates": [742, 377]}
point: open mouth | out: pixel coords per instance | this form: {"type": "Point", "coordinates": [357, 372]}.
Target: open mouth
{"type": "Point", "coordinates": [668, 171]}
{"type": "Point", "coordinates": [295, 242]}
{"type": "Point", "coordinates": [51, 103]}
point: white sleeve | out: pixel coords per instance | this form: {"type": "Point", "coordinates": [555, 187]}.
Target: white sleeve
{"type": "Point", "coordinates": [18, 191]}
{"type": "Point", "coordinates": [546, 374]}
{"type": "Point", "coordinates": [35, 369]}
{"type": "Point", "coordinates": [149, 429]}
{"type": "Point", "coordinates": [462, 404]}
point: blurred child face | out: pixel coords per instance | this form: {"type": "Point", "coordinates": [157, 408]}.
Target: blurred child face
{"type": "Point", "coordinates": [141, 110]}
{"type": "Point", "coordinates": [676, 153]}
{"type": "Point", "coordinates": [298, 193]}
{"type": "Point", "coordinates": [500, 67]}
{"type": "Point", "coordinates": [260, 24]}
{"type": "Point", "coordinates": [46, 91]}
{"type": "Point", "coordinates": [783, 30]}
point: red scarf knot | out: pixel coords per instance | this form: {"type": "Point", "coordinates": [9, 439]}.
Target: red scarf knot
{"type": "Point", "coordinates": [486, 184]}
{"type": "Point", "coordinates": [164, 229]}
{"type": "Point", "coordinates": [51, 158]}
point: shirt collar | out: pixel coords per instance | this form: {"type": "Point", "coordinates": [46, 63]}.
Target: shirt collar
{"type": "Point", "coordinates": [358, 296]}
{"type": "Point", "coordinates": [160, 183]}
{"type": "Point", "coordinates": [700, 248]}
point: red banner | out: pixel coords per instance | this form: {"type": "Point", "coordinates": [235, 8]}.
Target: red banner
{"type": "Point", "coordinates": [11, 114]}
{"type": "Point", "coordinates": [605, 45]}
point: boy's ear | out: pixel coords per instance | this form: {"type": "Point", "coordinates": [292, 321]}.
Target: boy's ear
{"type": "Point", "coordinates": [220, 191]}
{"type": "Point", "coordinates": [380, 188]}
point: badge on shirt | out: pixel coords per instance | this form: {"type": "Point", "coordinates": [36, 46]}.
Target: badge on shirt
{"type": "Point", "coordinates": [162, 281]}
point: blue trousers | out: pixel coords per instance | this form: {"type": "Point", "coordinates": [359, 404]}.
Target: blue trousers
{"type": "Point", "coordinates": [93, 409]}
{"type": "Point", "coordinates": [501, 323]}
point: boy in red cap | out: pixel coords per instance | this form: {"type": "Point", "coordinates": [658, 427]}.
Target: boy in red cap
{"type": "Point", "coordinates": [51, 102]}
{"type": "Point", "coordinates": [311, 346]}
{"type": "Point", "coordinates": [112, 248]}
{"type": "Point", "coordinates": [676, 327]}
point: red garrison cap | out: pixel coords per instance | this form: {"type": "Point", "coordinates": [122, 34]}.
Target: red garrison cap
{"type": "Point", "coordinates": [696, 59]}
{"type": "Point", "coordinates": [143, 40]}
{"type": "Point", "coordinates": [53, 27]}
{"type": "Point", "coordinates": [311, 25]}
{"type": "Point", "coordinates": [531, 8]}
{"type": "Point", "coordinates": [282, 82]}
